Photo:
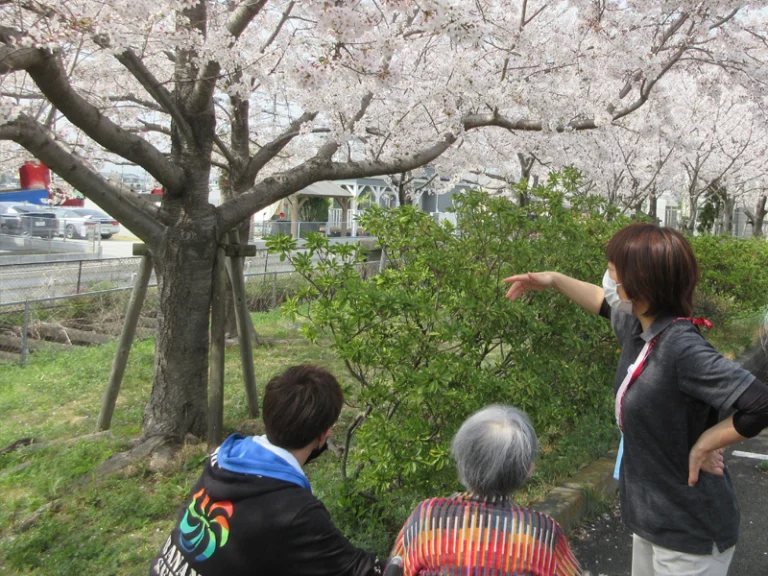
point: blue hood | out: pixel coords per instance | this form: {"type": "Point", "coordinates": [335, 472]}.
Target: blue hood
{"type": "Point", "coordinates": [241, 454]}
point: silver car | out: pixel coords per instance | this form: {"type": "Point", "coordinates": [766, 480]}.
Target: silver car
{"type": "Point", "coordinates": [78, 222]}
{"type": "Point", "coordinates": [27, 220]}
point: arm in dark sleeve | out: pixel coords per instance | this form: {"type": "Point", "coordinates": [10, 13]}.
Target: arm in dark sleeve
{"type": "Point", "coordinates": [320, 549]}
{"type": "Point", "coordinates": [751, 415]}
{"type": "Point", "coordinates": [605, 309]}
{"type": "Point", "coordinates": [705, 374]}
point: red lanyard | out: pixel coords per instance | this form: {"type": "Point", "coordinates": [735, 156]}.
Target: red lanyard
{"type": "Point", "coordinates": [635, 369]}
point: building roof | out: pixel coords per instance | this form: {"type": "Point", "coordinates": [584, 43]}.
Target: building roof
{"type": "Point", "coordinates": [326, 189]}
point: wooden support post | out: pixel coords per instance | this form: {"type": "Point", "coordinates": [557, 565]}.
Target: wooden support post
{"type": "Point", "coordinates": [126, 340]}
{"type": "Point", "coordinates": [218, 338]}
{"type": "Point", "coordinates": [24, 330]}
{"type": "Point", "coordinates": [294, 216]}
{"type": "Point", "coordinates": [243, 318]}
{"type": "Point", "coordinates": [344, 215]}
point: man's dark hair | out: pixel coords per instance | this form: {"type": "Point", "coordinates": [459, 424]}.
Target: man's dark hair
{"type": "Point", "coordinates": [656, 265]}
{"type": "Point", "coordinates": [300, 404]}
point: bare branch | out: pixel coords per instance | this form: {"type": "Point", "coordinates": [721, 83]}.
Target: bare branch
{"type": "Point", "coordinates": [224, 149]}
{"type": "Point", "coordinates": [29, 134]}
{"type": "Point", "coordinates": [283, 20]}
{"type": "Point", "coordinates": [23, 96]}
{"type": "Point", "coordinates": [151, 127]}
{"type": "Point", "coordinates": [140, 101]}
{"type": "Point", "coordinates": [725, 19]}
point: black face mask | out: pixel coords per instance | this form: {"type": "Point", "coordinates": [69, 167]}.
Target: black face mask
{"type": "Point", "coordinates": [316, 452]}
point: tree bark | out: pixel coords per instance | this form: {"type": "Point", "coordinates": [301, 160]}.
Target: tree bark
{"type": "Point", "coordinates": [653, 208]}
{"type": "Point", "coordinates": [760, 211]}
{"type": "Point", "coordinates": [729, 206]}
{"type": "Point", "coordinates": [178, 403]}
{"type": "Point", "coordinates": [526, 165]}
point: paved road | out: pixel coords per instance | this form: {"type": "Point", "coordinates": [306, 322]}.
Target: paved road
{"type": "Point", "coordinates": [605, 546]}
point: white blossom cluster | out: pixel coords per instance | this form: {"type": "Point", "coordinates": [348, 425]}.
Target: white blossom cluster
{"type": "Point", "coordinates": [630, 91]}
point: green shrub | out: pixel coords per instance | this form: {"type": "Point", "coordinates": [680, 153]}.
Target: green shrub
{"type": "Point", "coordinates": [432, 338]}
{"type": "Point", "coordinates": [734, 274]}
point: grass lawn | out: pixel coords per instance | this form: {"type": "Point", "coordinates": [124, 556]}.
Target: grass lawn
{"type": "Point", "coordinates": [114, 525]}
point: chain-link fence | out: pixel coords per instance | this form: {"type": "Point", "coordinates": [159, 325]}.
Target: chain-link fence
{"type": "Point", "coordinates": [20, 282]}
{"type": "Point", "coordinates": [332, 228]}
{"type": "Point", "coordinates": [54, 279]}
{"type": "Point", "coordinates": [96, 317]}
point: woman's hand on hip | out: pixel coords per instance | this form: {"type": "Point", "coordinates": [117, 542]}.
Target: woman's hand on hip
{"type": "Point", "coordinates": [712, 440]}
{"type": "Point", "coordinates": [532, 281]}
{"type": "Point", "coordinates": [713, 463]}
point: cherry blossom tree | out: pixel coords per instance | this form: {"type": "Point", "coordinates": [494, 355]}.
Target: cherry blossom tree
{"type": "Point", "coordinates": [280, 94]}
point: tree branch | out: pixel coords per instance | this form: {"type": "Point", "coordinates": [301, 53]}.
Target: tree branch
{"type": "Point", "coordinates": [316, 169]}
{"type": "Point", "coordinates": [47, 72]}
{"type": "Point", "coordinates": [140, 101]}
{"type": "Point", "coordinates": [29, 134]}
{"type": "Point", "coordinates": [150, 127]}
{"type": "Point", "coordinates": [202, 93]}
{"type": "Point", "coordinates": [329, 148]}
{"type": "Point", "coordinates": [224, 149]}
{"type": "Point", "coordinates": [51, 79]}
{"type": "Point", "coordinates": [283, 20]}
{"type": "Point", "coordinates": [12, 56]}
{"type": "Point", "coordinates": [155, 89]}
{"type": "Point", "coordinates": [273, 148]}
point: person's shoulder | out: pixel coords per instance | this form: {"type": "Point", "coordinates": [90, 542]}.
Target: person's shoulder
{"type": "Point", "coordinates": [431, 503]}
{"type": "Point", "coordinates": [545, 521]}
{"type": "Point", "coordinates": [684, 334]}
{"type": "Point", "coordinates": [624, 324]}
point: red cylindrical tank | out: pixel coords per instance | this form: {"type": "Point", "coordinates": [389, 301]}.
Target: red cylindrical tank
{"type": "Point", "coordinates": [34, 176]}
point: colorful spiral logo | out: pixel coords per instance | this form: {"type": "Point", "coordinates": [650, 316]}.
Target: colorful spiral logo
{"type": "Point", "coordinates": [205, 526]}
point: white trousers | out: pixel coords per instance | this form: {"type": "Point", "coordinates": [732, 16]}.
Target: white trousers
{"type": "Point", "coordinates": [651, 560]}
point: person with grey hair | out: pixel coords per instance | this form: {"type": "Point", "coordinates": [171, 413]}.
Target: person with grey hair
{"type": "Point", "coordinates": [482, 529]}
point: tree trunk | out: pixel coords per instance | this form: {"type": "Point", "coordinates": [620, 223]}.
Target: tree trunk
{"type": "Point", "coordinates": [178, 403]}
{"type": "Point", "coordinates": [526, 165]}
{"type": "Point", "coordinates": [691, 224]}
{"type": "Point", "coordinates": [728, 208]}
{"type": "Point", "coordinates": [653, 208]}
{"type": "Point", "coordinates": [760, 211]}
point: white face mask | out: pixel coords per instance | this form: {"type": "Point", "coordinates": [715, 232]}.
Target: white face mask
{"type": "Point", "coordinates": [610, 288]}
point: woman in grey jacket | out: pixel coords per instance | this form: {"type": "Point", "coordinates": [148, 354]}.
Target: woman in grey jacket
{"type": "Point", "coordinates": [670, 385]}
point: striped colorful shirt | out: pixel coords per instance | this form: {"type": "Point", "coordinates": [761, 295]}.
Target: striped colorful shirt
{"type": "Point", "coordinates": [467, 534]}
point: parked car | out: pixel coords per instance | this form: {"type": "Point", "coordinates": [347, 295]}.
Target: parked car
{"type": "Point", "coordinates": [76, 222]}
{"type": "Point", "coordinates": [27, 220]}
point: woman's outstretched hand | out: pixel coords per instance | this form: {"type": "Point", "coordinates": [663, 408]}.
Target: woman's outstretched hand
{"type": "Point", "coordinates": [523, 283]}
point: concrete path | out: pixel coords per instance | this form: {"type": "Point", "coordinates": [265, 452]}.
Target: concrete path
{"type": "Point", "coordinates": [605, 546]}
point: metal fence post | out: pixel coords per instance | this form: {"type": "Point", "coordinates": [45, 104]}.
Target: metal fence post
{"type": "Point", "coordinates": [79, 275]}
{"type": "Point", "coordinates": [24, 329]}
{"type": "Point", "coordinates": [274, 290]}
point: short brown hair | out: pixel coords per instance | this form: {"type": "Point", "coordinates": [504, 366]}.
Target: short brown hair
{"type": "Point", "coordinates": [300, 404]}
{"type": "Point", "coordinates": [656, 265]}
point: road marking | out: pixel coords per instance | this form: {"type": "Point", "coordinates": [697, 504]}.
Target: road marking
{"type": "Point", "coordinates": [752, 455]}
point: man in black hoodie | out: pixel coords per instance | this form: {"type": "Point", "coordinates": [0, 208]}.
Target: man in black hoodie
{"type": "Point", "coordinates": [252, 511]}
